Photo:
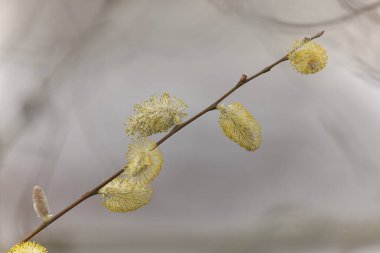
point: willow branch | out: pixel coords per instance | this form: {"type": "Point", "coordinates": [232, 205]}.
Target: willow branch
{"type": "Point", "coordinates": [243, 80]}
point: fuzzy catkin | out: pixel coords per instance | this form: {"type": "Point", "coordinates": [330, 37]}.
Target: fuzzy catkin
{"type": "Point", "coordinates": [28, 247]}
{"type": "Point", "coordinates": [144, 161]}
{"type": "Point", "coordinates": [40, 203]}
{"type": "Point", "coordinates": [156, 115]}
{"type": "Point", "coordinates": [307, 57]}
{"type": "Point", "coordinates": [240, 126]}
{"type": "Point", "coordinates": [121, 195]}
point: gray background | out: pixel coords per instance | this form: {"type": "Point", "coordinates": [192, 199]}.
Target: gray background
{"type": "Point", "coordinates": [71, 71]}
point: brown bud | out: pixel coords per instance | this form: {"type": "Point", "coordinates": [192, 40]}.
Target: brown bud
{"type": "Point", "coordinates": [243, 78]}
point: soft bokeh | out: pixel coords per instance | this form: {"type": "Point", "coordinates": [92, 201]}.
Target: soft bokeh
{"type": "Point", "coordinates": [71, 71]}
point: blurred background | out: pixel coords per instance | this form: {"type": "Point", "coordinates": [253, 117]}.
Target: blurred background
{"type": "Point", "coordinates": [71, 71]}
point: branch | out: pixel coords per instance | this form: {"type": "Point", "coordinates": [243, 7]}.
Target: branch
{"type": "Point", "coordinates": [243, 80]}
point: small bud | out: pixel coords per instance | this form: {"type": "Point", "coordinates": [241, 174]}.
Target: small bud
{"type": "Point", "coordinates": [240, 126]}
{"type": "Point", "coordinates": [144, 161]}
{"type": "Point", "coordinates": [40, 203]}
{"type": "Point", "coordinates": [307, 57]}
{"type": "Point", "coordinates": [243, 78]}
{"type": "Point", "coordinates": [156, 115]}
{"type": "Point", "coordinates": [28, 247]}
{"type": "Point", "coordinates": [121, 195]}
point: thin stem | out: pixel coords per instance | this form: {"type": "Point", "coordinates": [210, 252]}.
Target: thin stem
{"type": "Point", "coordinates": [243, 80]}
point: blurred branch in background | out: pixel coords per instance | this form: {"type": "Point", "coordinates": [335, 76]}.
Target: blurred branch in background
{"type": "Point", "coordinates": [355, 20]}
{"type": "Point", "coordinates": [355, 11]}
{"type": "Point", "coordinates": [39, 100]}
{"type": "Point", "coordinates": [37, 109]}
{"type": "Point", "coordinates": [245, 8]}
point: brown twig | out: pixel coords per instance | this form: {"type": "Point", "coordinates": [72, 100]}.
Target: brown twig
{"type": "Point", "coordinates": [243, 80]}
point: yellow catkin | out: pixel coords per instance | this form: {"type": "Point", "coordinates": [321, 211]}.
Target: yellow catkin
{"type": "Point", "coordinates": [121, 195]}
{"type": "Point", "coordinates": [240, 126]}
{"type": "Point", "coordinates": [157, 115]}
{"type": "Point", "coordinates": [307, 57]}
{"type": "Point", "coordinates": [28, 247]}
{"type": "Point", "coordinates": [144, 161]}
